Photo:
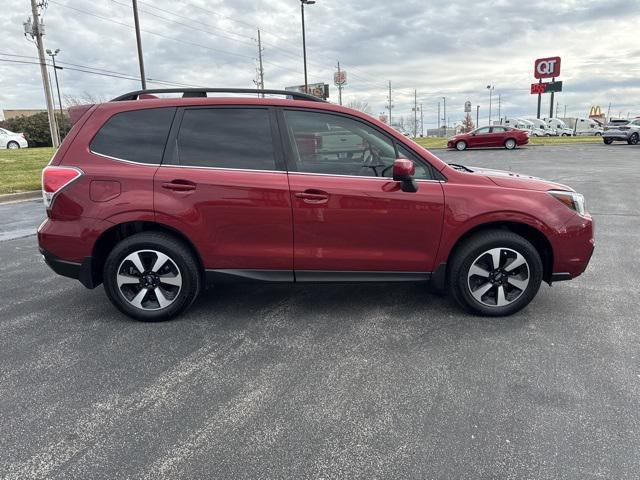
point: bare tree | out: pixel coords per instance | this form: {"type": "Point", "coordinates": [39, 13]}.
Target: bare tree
{"type": "Point", "coordinates": [84, 99]}
{"type": "Point", "coordinates": [361, 105]}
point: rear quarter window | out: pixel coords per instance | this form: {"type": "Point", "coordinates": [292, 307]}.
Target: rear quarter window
{"type": "Point", "coordinates": [138, 135]}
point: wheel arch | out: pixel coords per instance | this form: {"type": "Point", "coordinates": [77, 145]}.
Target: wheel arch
{"type": "Point", "coordinates": [112, 236]}
{"type": "Point", "coordinates": [537, 238]}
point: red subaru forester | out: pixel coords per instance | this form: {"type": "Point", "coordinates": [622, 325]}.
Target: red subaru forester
{"type": "Point", "coordinates": [156, 195]}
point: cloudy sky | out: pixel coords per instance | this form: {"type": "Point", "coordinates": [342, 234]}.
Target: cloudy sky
{"type": "Point", "coordinates": [442, 48]}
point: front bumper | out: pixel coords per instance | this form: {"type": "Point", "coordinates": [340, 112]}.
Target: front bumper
{"type": "Point", "coordinates": [573, 247]}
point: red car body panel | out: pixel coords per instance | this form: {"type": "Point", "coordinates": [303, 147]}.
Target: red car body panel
{"type": "Point", "coordinates": [235, 218]}
{"type": "Point", "coordinates": [365, 223]}
{"type": "Point", "coordinates": [249, 219]}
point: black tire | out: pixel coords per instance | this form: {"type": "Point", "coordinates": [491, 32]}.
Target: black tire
{"type": "Point", "coordinates": [15, 145]}
{"type": "Point", "coordinates": [461, 145]}
{"type": "Point", "coordinates": [468, 252]}
{"type": "Point", "coordinates": [608, 141]}
{"type": "Point", "coordinates": [178, 253]}
{"type": "Point", "coordinates": [633, 139]}
{"type": "Point", "coordinates": [510, 143]}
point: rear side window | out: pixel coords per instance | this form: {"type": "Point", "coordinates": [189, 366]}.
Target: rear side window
{"type": "Point", "coordinates": [137, 136]}
{"type": "Point", "coordinates": [226, 138]}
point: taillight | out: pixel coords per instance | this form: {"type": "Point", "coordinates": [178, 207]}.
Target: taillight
{"type": "Point", "coordinates": [55, 179]}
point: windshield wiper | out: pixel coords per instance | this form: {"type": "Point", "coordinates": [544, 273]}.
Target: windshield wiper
{"type": "Point", "coordinates": [462, 168]}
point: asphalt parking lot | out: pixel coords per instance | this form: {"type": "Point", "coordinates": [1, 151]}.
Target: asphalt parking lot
{"type": "Point", "coordinates": [334, 381]}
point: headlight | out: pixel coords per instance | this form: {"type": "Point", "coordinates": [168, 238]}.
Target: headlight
{"type": "Point", "coordinates": [573, 200]}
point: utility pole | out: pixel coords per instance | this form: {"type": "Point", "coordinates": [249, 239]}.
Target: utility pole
{"type": "Point", "coordinates": [421, 122]}
{"type": "Point", "coordinates": [36, 31]}
{"type": "Point", "coordinates": [565, 110]}
{"type": "Point", "coordinates": [557, 107]}
{"type": "Point", "coordinates": [477, 116]}
{"type": "Point", "coordinates": [499, 106]}
{"type": "Point", "coordinates": [136, 21]}
{"type": "Point", "coordinates": [55, 73]}
{"type": "Point", "coordinates": [415, 113]}
{"type": "Point", "coordinates": [390, 105]}
{"type": "Point", "coordinates": [608, 110]}
{"type": "Point", "coordinates": [444, 115]}
{"type": "Point", "coordinates": [261, 71]}
{"type": "Point", "coordinates": [438, 117]}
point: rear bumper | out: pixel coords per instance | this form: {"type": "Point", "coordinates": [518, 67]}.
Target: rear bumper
{"type": "Point", "coordinates": [78, 271]}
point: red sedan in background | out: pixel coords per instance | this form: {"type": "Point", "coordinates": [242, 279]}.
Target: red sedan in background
{"type": "Point", "coordinates": [496, 136]}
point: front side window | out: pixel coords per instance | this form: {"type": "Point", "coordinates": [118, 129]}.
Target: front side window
{"type": "Point", "coordinates": [335, 145]}
{"type": "Point", "coordinates": [226, 138]}
{"type": "Point", "coordinates": [137, 135]}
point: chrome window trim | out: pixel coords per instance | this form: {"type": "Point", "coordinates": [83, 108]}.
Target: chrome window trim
{"type": "Point", "coordinates": [183, 166]}
{"type": "Point", "coordinates": [363, 177]}
{"type": "Point", "coordinates": [386, 179]}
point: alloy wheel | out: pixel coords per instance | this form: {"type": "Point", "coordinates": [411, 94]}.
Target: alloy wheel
{"type": "Point", "coordinates": [149, 279]}
{"type": "Point", "coordinates": [498, 277]}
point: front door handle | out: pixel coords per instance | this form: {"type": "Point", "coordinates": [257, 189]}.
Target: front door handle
{"type": "Point", "coordinates": [179, 185]}
{"type": "Point", "coordinates": [314, 197]}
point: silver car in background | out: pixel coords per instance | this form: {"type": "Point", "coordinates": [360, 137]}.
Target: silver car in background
{"type": "Point", "coordinates": [622, 131]}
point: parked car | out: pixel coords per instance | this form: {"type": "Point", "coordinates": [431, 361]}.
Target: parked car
{"type": "Point", "coordinates": [12, 140]}
{"type": "Point", "coordinates": [495, 136]}
{"type": "Point", "coordinates": [158, 197]}
{"type": "Point", "coordinates": [622, 131]}
{"type": "Point", "coordinates": [559, 126]}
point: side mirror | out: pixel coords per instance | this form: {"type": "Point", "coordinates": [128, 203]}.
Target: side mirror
{"type": "Point", "coordinates": [403, 171]}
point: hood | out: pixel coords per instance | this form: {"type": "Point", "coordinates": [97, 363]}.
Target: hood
{"type": "Point", "coordinates": [506, 179]}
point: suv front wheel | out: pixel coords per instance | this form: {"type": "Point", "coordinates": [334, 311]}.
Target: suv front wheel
{"type": "Point", "coordinates": [495, 273]}
{"type": "Point", "coordinates": [151, 276]}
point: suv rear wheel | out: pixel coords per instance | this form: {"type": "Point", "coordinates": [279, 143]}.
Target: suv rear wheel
{"type": "Point", "coordinates": [151, 276]}
{"type": "Point", "coordinates": [495, 273]}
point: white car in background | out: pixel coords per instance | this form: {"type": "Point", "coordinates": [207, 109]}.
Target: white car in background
{"type": "Point", "coordinates": [12, 140]}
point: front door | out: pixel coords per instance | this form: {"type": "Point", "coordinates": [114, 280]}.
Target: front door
{"type": "Point", "coordinates": [481, 138]}
{"type": "Point", "coordinates": [349, 215]}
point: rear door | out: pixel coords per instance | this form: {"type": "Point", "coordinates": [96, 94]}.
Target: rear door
{"type": "Point", "coordinates": [223, 183]}
{"type": "Point", "coordinates": [497, 136]}
{"type": "Point", "coordinates": [351, 220]}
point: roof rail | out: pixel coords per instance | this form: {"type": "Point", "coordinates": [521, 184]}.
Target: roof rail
{"type": "Point", "coordinates": [202, 92]}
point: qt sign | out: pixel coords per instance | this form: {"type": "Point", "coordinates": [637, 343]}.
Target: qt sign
{"type": "Point", "coordinates": [547, 67]}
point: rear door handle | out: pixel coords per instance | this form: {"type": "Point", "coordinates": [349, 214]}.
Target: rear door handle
{"type": "Point", "coordinates": [313, 196]}
{"type": "Point", "coordinates": [179, 185]}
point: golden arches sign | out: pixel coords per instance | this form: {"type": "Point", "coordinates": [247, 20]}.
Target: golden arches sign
{"type": "Point", "coordinates": [595, 111]}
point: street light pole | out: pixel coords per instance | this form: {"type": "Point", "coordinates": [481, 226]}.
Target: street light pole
{"type": "Point", "coordinates": [55, 73]}
{"type": "Point", "coordinates": [490, 88]}
{"type": "Point", "coordinates": [477, 116]}
{"type": "Point", "coordinates": [444, 114]}
{"type": "Point", "coordinates": [304, 42]}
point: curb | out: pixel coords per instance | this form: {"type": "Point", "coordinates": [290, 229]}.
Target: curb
{"type": "Point", "coordinates": [20, 197]}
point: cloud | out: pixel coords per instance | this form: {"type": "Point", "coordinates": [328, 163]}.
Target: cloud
{"type": "Point", "coordinates": [439, 47]}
